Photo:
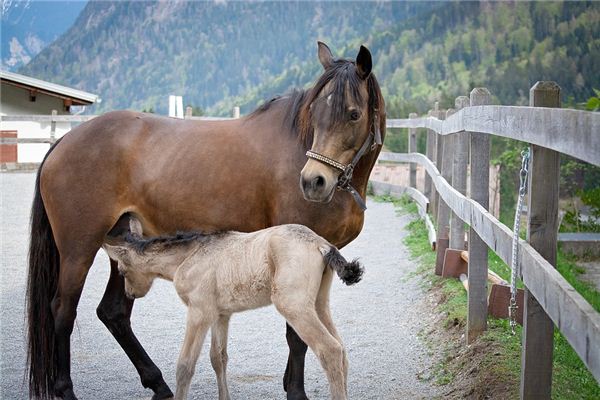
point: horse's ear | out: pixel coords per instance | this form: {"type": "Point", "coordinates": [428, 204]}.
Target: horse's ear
{"type": "Point", "coordinates": [325, 55]}
{"type": "Point", "coordinates": [135, 226]}
{"type": "Point", "coordinates": [364, 62]}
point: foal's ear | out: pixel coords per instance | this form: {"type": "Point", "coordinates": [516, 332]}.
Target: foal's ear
{"type": "Point", "coordinates": [115, 251]}
{"type": "Point", "coordinates": [135, 226]}
{"type": "Point", "coordinates": [325, 55]}
{"type": "Point", "coordinates": [364, 62]}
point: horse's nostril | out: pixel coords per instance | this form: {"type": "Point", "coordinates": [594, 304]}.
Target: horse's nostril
{"type": "Point", "coordinates": [319, 182]}
{"type": "Point", "coordinates": [305, 183]}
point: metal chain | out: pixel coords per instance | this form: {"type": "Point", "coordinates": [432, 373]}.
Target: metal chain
{"type": "Point", "coordinates": [515, 270]}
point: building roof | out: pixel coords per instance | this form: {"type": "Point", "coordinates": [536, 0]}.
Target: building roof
{"type": "Point", "coordinates": [78, 97]}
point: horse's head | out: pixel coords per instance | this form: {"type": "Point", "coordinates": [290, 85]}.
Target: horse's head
{"type": "Point", "coordinates": [344, 113]}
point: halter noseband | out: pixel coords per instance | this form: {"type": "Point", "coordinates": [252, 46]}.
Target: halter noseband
{"type": "Point", "coordinates": [345, 177]}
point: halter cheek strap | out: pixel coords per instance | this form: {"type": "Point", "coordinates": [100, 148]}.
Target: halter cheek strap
{"type": "Point", "coordinates": [345, 177]}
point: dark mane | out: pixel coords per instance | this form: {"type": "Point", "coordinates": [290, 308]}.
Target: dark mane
{"type": "Point", "coordinates": [297, 102]}
{"type": "Point", "coordinates": [160, 243]}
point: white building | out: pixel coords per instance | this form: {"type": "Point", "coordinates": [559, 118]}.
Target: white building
{"type": "Point", "coordinates": [23, 95]}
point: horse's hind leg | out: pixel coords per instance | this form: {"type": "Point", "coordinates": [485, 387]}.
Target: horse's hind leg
{"type": "Point", "coordinates": [73, 271]}
{"type": "Point", "coordinates": [293, 379]}
{"type": "Point", "coordinates": [218, 354]}
{"type": "Point", "coordinates": [114, 311]}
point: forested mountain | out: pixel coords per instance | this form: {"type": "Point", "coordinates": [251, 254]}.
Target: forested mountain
{"type": "Point", "coordinates": [456, 46]}
{"type": "Point", "coordinates": [134, 54]}
{"type": "Point", "coordinates": [220, 54]}
{"type": "Point", "coordinates": [29, 26]}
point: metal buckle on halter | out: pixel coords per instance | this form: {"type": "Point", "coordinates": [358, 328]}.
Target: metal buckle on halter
{"type": "Point", "coordinates": [345, 177]}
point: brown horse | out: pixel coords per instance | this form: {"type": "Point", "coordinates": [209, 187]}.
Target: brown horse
{"type": "Point", "coordinates": [194, 175]}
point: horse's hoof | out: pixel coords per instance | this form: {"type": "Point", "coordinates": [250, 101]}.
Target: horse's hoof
{"type": "Point", "coordinates": [163, 393]}
{"type": "Point", "coordinates": [296, 395]}
{"type": "Point", "coordinates": [68, 395]}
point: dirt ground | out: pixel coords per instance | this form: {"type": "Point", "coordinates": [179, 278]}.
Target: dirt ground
{"type": "Point", "coordinates": [378, 319]}
{"type": "Point", "coordinates": [471, 366]}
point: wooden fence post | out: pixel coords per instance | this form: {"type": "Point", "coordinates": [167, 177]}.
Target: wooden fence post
{"type": "Point", "coordinates": [459, 177]}
{"type": "Point", "coordinates": [437, 154]}
{"type": "Point", "coordinates": [412, 148]}
{"type": "Point", "coordinates": [429, 152]}
{"type": "Point", "coordinates": [53, 127]}
{"type": "Point", "coordinates": [235, 113]}
{"type": "Point", "coordinates": [445, 158]}
{"type": "Point", "coordinates": [478, 250]}
{"type": "Point", "coordinates": [542, 231]}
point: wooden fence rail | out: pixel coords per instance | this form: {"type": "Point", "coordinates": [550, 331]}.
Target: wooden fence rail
{"type": "Point", "coordinates": [570, 132]}
{"type": "Point", "coordinates": [548, 295]}
{"type": "Point", "coordinates": [54, 118]}
{"type": "Point", "coordinates": [80, 118]}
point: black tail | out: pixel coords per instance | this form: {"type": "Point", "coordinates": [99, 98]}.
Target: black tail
{"type": "Point", "coordinates": [349, 272]}
{"type": "Point", "coordinates": [44, 263]}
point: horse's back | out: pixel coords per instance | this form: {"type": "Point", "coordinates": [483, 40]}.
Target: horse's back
{"type": "Point", "coordinates": [116, 134]}
{"type": "Point", "coordinates": [169, 172]}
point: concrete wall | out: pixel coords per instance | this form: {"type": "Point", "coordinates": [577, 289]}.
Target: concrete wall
{"type": "Point", "coordinates": [15, 101]}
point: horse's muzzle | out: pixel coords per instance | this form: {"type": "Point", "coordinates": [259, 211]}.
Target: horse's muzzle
{"type": "Point", "coordinates": [316, 189]}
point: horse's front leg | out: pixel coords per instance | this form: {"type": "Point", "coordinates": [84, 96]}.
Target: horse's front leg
{"type": "Point", "coordinates": [218, 354]}
{"type": "Point", "coordinates": [115, 312]}
{"type": "Point", "coordinates": [293, 380]}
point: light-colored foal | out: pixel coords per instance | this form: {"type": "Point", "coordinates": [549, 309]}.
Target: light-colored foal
{"type": "Point", "coordinates": [219, 274]}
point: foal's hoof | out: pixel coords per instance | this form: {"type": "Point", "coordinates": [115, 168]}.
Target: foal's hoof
{"type": "Point", "coordinates": [163, 393]}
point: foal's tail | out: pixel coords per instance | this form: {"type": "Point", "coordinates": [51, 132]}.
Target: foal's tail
{"type": "Point", "coordinates": [349, 272]}
{"type": "Point", "coordinates": [44, 263]}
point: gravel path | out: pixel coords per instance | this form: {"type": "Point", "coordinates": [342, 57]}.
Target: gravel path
{"type": "Point", "coordinates": [378, 319]}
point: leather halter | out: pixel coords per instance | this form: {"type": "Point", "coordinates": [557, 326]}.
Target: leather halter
{"type": "Point", "coordinates": [345, 177]}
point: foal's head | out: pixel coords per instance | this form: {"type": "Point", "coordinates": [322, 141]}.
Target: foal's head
{"type": "Point", "coordinates": [141, 260]}
{"type": "Point", "coordinates": [343, 108]}
{"type": "Point", "coordinates": [138, 280]}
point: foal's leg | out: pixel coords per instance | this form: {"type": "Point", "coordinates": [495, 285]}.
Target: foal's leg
{"type": "Point", "coordinates": [324, 313]}
{"type": "Point", "coordinates": [297, 310]}
{"type": "Point", "coordinates": [197, 326]}
{"type": "Point", "coordinates": [114, 311]}
{"type": "Point", "coordinates": [218, 354]}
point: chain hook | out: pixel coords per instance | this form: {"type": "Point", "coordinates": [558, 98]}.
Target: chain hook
{"type": "Point", "coordinates": [515, 272]}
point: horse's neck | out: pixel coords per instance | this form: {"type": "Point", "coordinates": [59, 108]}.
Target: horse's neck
{"type": "Point", "coordinates": [363, 170]}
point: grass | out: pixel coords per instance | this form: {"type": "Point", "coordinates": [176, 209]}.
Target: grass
{"type": "Point", "coordinates": [570, 379]}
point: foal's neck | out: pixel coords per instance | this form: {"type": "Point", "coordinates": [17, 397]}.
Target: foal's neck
{"type": "Point", "coordinates": [166, 263]}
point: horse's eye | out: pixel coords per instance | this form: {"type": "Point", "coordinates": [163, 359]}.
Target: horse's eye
{"type": "Point", "coordinates": [354, 115]}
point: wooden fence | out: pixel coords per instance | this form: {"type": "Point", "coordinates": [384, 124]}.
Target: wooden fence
{"type": "Point", "coordinates": [459, 137]}
{"type": "Point", "coordinates": [54, 118]}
